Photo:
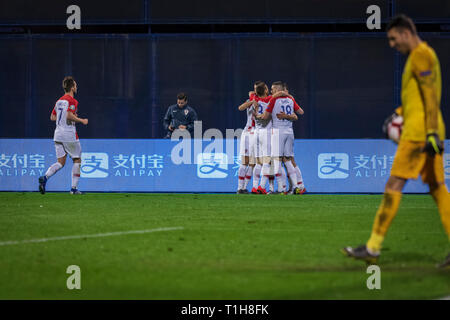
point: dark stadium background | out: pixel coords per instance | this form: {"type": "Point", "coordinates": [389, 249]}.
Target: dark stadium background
{"type": "Point", "coordinates": [132, 57]}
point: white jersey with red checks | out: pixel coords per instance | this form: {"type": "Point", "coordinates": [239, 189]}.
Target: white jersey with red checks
{"type": "Point", "coordinates": [65, 129]}
{"type": "Point", "coordinates": [250, 125]}
{"type": "Point", "coordinates": [286, 105]}
{"type": "Point", "coordinates": [262, 106]}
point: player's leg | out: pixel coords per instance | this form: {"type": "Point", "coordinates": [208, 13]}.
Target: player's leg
{"type": "Point", "coordinates": [433, 175]}
{"type": "Point", "coordinates": [61, 156]}
{"type": "Point", "coordinates": [283, 176]}
{"type": "Point", "coordinates": [242, 173]}
{"type": "Point", "coordinates": [248, 175]}
{"type": "Point", "coordinates": [271, 178]}
{"type": "Point", "coordinates": [272, 150]}
{"type": "Point", "coordinates": [386, 212]}
{"type": "Point", "coordinates": [291, 172]}
{"type": "Point", "coordinates": [256, 175]}
{"type": "Point", "coordinates": [408, 163]}
{"type": "Point", "coordinates": [258, 166]}
{"type": "Point", "coordinates": [269, 154]}
{"type": "Point", "coordinates": [251, 161]}
{"type": "Point", "coordinates": [277, 152]}
{"type": "Point", "coordinates": [288, 156]}
{"type": "Point", "coordinates": [440, 195]}
{"type": "Point", "coordinates": [74, 150]}
{"type": "Point", "coordinates": [271, 181]}
{"type": "Point", "coordinates": [277, 171]}
{"type": "Point", "coordinates": [76, 172]}
{"type": "Point", "coordinates": [292, 184]}
{"type": "Point", "coordinates": [244, 152]}
{"type": "Point", "coordinates": [299, 175]}
{"type": "Point", "coordinates": [383, 218]}
{"type": "Point", "coordinates": [265, 171]}
{"type": "Point", "coordinates": [265, 175]}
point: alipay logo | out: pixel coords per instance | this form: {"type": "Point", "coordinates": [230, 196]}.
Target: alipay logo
{"type": "Point", "coordinates": [212, 165]}
{"type": "Point", "coordinates": [447, 165]}
{"type": "Point", "coordinates": [94, 165]}
{"type": "Point", "coordinates": [333, 165]}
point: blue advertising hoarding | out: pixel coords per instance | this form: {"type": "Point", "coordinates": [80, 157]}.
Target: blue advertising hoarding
{"type": "Point", "coordinates": [328, 166]}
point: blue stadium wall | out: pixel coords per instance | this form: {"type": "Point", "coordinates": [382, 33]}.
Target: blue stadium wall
{"type": "Point", "coordinates": [347, 83]}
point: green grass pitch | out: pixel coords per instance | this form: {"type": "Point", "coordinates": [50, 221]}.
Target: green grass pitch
{"type": "Point", "coordinates": [229, 247]}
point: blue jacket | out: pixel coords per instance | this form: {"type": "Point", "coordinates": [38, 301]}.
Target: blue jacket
{"type": "Point", "coordinates": [176, 116]}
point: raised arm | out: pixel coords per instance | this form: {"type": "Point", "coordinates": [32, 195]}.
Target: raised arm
{"type": "Point", "coordinates": [247, 104]}
{"type": "Point", "coordinates": [298, 109]}
{"type": "Point", "coordinates": [282, 94]}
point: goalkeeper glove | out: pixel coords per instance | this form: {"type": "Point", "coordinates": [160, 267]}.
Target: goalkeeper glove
{"type": "Point", "coordinates": [386, 123]}
{"type": "Point", "coordinates": [433, 145]}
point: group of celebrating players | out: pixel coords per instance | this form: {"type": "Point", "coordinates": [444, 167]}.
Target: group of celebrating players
{"type": "Point", "coordinates": [267, 142]}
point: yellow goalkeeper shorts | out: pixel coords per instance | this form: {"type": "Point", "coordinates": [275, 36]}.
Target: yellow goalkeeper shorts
{"type": "Point", "coordinates": [409, 162]}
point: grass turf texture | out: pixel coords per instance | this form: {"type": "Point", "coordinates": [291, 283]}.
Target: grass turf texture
{"type": "Point", "coordinates": [231, 247]}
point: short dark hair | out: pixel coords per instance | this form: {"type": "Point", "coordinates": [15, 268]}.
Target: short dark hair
{"type": "Point", "coordinates": [260, 88]}
{"type": "Point", "coordinates": [68, 83]}
{"type": "Point", "coordinates": [257, 83]}
{"type": "Point", "coordinates": [182, 96]}
{"type": "Point", "coordinates": [402, 21]}
{"type": "Point", "coordinates": [285, 86]}
{"type": "Point", "coordinates": [278, 84]}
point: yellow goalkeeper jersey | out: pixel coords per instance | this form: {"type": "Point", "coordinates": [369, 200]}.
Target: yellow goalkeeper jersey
{"type": "Point", "coordinates": [421, 65]}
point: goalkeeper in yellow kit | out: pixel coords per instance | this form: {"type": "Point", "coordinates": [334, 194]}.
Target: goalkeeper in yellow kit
{"type": "Point", "coordinates": [421, 143]}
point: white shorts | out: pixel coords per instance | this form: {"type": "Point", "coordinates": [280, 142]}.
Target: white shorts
{"type": "Point", "coordinates": [263, 142]}
{"type": "Point", "coordinates": [282, 142]}
{"type": "Point", "coordinates": [71, 148]}
{"type": "Point", "coordinates": [247, 143]}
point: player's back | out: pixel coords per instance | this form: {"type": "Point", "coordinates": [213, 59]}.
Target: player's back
{"type": "Point", "coordinates": [278, 105]}
{"type": "Point", "coordinates": [65, 129]}
{"type": "Point", "coordinates": [262, 106]}
{"type": "Point", "coordinates": [250, 124]}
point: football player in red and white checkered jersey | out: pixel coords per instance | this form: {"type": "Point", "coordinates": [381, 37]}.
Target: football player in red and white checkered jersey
{"type": "Point", "coordinates": [263, 138]}
{"type": "Point", "coordinates": [65, 137]}
{"type": "Point", "coordinates": [299, 183]}
{"type": "Point", "coordinates": [282, 110]}
{"type": "Point", "coordinates": [247, 148]}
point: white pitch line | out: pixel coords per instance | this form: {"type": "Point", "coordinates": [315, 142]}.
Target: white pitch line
{"type": "Point", "coordinates": [98, 235]}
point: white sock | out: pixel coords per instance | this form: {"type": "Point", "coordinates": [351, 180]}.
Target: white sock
{"type": "Point", "coordinates": [264, 180]}
{"type": "Point", "coordinates": [256, 175]}
{"type": "Point", "coordinates": [265, 175]}
{"type": "Point", "coordinates": [241, 174]}
{"type": "Point", "coordinates": [291, 184]}
{"type": "Point", "coordinates": [271, 183]}
{"type": "Point", "coordinates": [75, 175]}
{"type": "Point", "coordinates": [278, 175]}
{"type": "Point", "coordinates": [299, 178]}
{"type": "Point", "coordinates": [283, 178]}
{"type": "Point", "coordinates": [248, 176]}
{"type": "Point", "coordinates": [291, 172]}
{"type": "Point", "coordinates": [53, 169]}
